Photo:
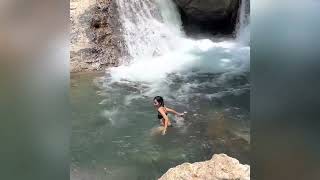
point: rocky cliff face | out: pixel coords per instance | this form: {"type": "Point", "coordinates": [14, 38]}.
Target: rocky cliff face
{"type": "Point", "coordinates": [95, 36]}
{"type": "Point", "coordinates": [209, 15]}
{"type": "Point", "coordinates": [219, 167]}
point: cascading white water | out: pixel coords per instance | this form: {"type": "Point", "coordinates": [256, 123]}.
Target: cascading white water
{"type": "Point", "coordinates": [190, 74]}
{"type": "Point", "coordinates": [150, 27]}
{"type": "Point", "coordinates": [158, 47]}
{"type": "Point", "coordinates": [243, 24]}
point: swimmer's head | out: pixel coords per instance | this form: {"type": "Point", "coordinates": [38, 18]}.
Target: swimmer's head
{"type": "Point", "coordinates": [158, 101]}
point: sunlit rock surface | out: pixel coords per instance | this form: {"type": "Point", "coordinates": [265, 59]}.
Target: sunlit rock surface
{"type": "Point", "coordinates": [219, 167]}
{"type": "Point", "coordinates": [95, 35]}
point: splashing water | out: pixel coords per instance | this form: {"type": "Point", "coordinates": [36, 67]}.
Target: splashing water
{"type": "Point", "coordinates": [165, 62]}
{"type": "Point", "coordinates": [152, 32]}
{"type": "Point", "coordinates": [207, 79]}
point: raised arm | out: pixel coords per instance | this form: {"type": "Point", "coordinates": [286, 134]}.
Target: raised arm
{"type": "Point", "coordinates": [174, 112]}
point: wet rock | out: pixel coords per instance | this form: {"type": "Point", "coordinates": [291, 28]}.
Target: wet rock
{"type": "Point", "coordinates": [219, 167]}
{"type": "Point", "coordinates": [95, 35]}
{"type": "Point", "coordinates": [209, 15]}
{"type": "Point", "coordinates": [207, 10]}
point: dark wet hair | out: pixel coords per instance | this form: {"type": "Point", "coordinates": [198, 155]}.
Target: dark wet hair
{"type": "Point", "coordinates": [159, 99]}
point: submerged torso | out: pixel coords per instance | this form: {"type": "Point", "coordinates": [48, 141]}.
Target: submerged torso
{"type": "Point", "coordinates": [160, 117]}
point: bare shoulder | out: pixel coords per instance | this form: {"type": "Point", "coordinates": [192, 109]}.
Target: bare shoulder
{"type": "Point", "coordinates": [168, 109]}
{"type": "Point", "coordinates": [161, 109]}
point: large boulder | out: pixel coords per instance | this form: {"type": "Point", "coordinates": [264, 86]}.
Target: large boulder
{"type": "Point", "coordinates": [219, 167]}
{"type": "Point", "coordinates": [209, 14]}
{"type": "Point", "coordinates": [95, 36]}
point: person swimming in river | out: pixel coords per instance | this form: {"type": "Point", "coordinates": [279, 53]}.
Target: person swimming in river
{"type": "Point", "coordinates": [163, 113]}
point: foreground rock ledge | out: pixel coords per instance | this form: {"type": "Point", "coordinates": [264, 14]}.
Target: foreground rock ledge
{"type": "Point", "coordinates": [219, 167]}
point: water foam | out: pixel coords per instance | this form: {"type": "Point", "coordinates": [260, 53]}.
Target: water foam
{"type": "Point", "coordinates": [159, 50]}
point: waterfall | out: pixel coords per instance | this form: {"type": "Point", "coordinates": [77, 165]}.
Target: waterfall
{"type": "Point", "coordinates": [157, 46]}
{"type": "Point", "coordinates": [150, 27]}
{"type": "Point", "coordinates": [243, 23]}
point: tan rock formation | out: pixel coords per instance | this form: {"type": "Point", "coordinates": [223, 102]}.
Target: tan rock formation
{"type": "Point", "coordinates": [95, 38]}
{"type": "Point", "coordinates": [220, 167]}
